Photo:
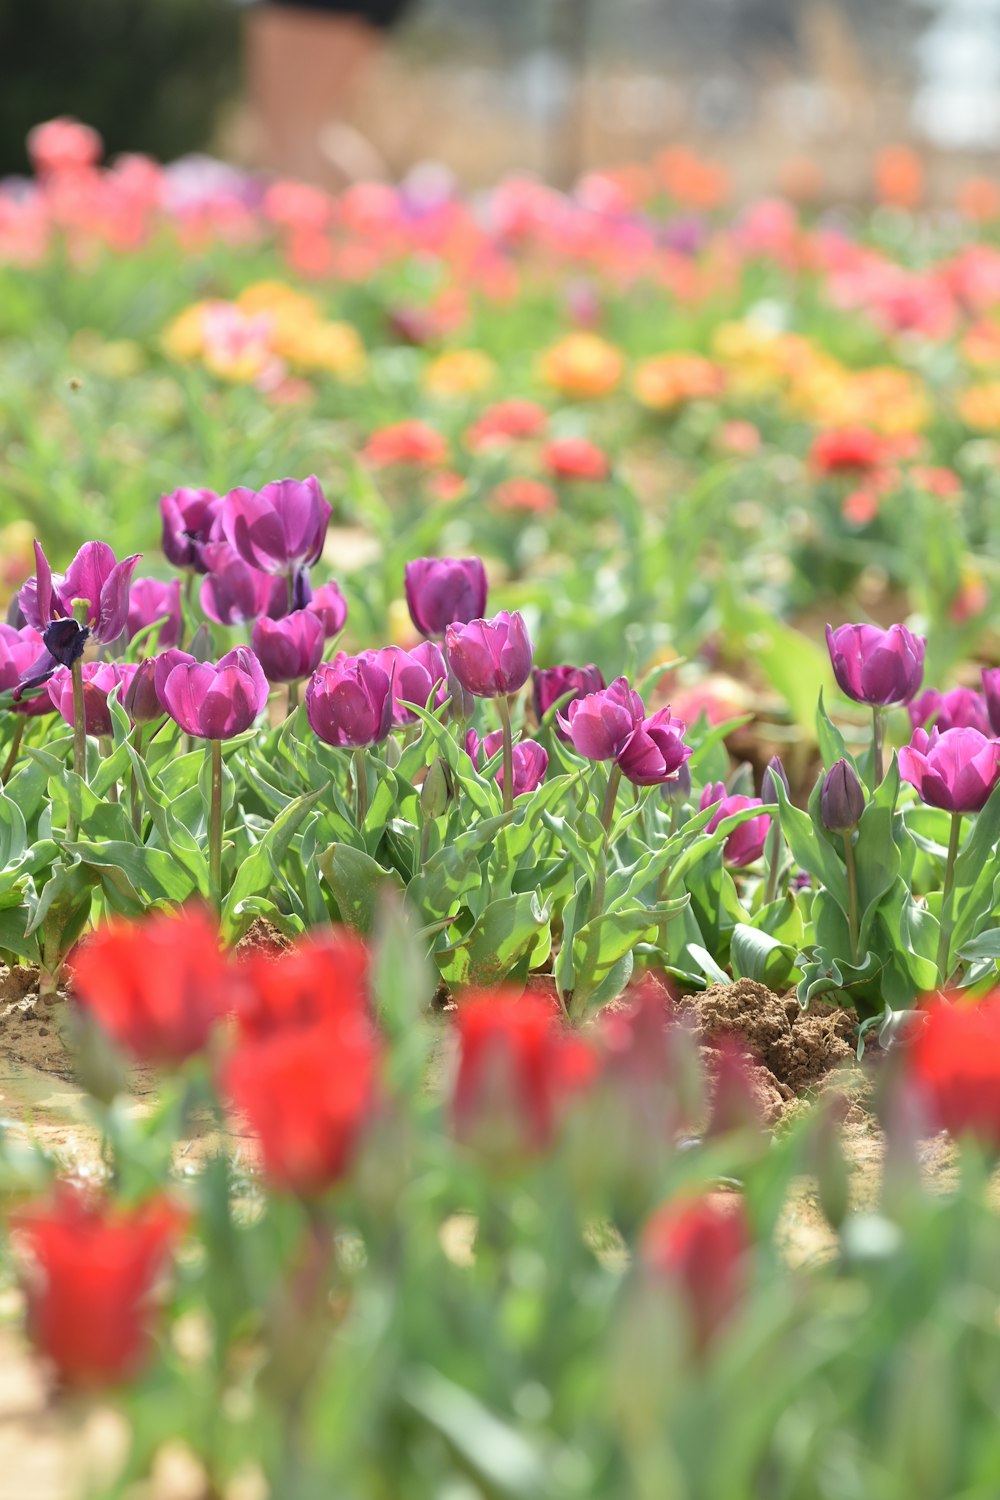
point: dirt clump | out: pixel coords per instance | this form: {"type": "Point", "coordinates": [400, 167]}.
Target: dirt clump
{"type": "Point", "coordinates": [796, 1048]}
{"type": "Point", "coordinates": [262, 939]}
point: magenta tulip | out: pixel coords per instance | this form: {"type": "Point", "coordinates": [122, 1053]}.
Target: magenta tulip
{"type": "Point", "coordinates": [549, 684]}
{"type": "Point", "coordinates": [190, 521]}
{"type": "Point", "coordinates": [490, 658]}
{"type": "Point", "coordinates": [956, 770]}
{"type": "Point", "coordinates": [19, 651]}
{"type": "Point", "coordinates": [877, 667]}
{"type": "Point", "coordinates": [329, 603]}
{"type": "Point", "coordinates": [149, 601]}
{"type": "Point", "coordinates": [991, 692]}
{"type": "Point", "coordinates": [100, 678]}
{"type": "Point", "coordinates": [959, 708]}
{"type": "Point", "coordinates": [290, 648]}
{"type": "Point", "coordinates": [232, 592]}
{"type": "Point", "coordinates": [139, 697]}
{"type": "Point", "coordinates": [216, 702]}
{"type": "Point", "coordinates": [280, 528]}
{"type": "Point", "coordinates": [415, 675]}
{"type": "Point", "coordinates": [600, 724]}
{"type": "Point", "coordinates": [655, 750]}
{"type": "Point", "coordinates": [530, 760]}
{"type": "Point", "coordinates": [443, 591]}
{"type": "Point", "coordinates": [746, 843]}
{"type": "Point", "coordinates": [349, 701]}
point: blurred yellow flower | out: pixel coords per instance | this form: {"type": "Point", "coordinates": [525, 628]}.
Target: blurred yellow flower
{"type": "Point", "coordinates": [459, 372]}
{"type": "Point", "coordinates": [582, 365]}
{"type": "Point", "coordinates": [667, 380]}
{"type": "Point", "coordinates": [979, 406]}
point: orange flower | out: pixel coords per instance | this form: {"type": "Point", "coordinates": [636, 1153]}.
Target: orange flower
{"type": "Point", "coordinates": [978, 199]}
{"type": "Point", "coordinates": [411, 442]}
{"type": "Point", "coordinates": [667, 380]}
{"type": "Point", "coordinates": [899, 177]}
{"type": "Point", "coordinates": [583, 365]}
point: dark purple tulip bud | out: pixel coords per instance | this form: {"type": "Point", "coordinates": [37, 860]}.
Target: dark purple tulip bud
{"type": "Point", "coordinates": [491, 658]}
{"type": "Point", "coordinates": [530, 760]}
{"type": "Point", "coordinates": [415, 675]}
{"type": "Point", "coordinates": [232, 592]}
{"type": "Point", "coordinates": [99, 679]}
{"type": "Point", "coordinates": [149, 601]}
{"type": "Point", "coordinates": [991, 692]}
{"type": "Point", "coordinates": [677, 791]}
{"type": "Point", "coordinates": [959, 708]}
{"type": "Point", "coordinates": [349, 701]}
{"type": "Point", "coordinates": [216, 702]}
{"type": "Point", "coordinates": [599, 724]}
{"type": "Point", "coordinates": [956, 770]}
{"type": "Point", "coordinates": [774, 772]}
{"type": "Point", "coordinates": [189, 523]}
{"type": "Point", "coordinates": [94, 577]}
{"type": "Point", "coordinates": [291, 648]}
{"type": "Point", "coordinates": [877, 667]}
{"type": "Point", "coordinates": [331, 606]}
{"type": "Point", "coordinates": [655, 750]}
{"type": "Point", "coordinates": [140, 698]}
{"type": "Point", "coordinates": [443, 591]}
{"type": "Point", "coordinates": [549, 684]}
{"type": "Point", "coordinates": [20, 653]}
{"type": "Point", "coordinates": [746, 843]}
{"type": "Point", "coordinates": [842, 800]}
{"type": "Point", "coordinates": [280, 528]}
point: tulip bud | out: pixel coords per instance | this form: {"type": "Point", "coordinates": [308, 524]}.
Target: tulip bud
{"type": "Point", "coordinates": [437, 790]}
{"type": "Point", "coordinates": [773, 773]}
{"type": "Point", "coordinates": [140, 698]}
{"type": "Point", "coordinates": [677, 791]}
{"type": "Point", "coordinates": [842, 800]}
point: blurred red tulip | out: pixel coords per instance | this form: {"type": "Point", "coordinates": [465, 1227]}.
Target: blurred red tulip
{"type": "Point", "coordinates": [700, 1245]}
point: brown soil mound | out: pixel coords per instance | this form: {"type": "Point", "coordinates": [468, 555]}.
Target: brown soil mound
{"type": "Point", "coordinates": [797, 1048]}
{"type": "Point", "coordinates": [263, 938]}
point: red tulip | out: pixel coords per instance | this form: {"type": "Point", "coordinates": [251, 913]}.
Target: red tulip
{"type": "Point", "coordinates": [89, 1283]}
{"type": "Point", "coordinates": [954, 1063]}
{"type": "Point", "coordinates": [322, 978]}
{"type": "Point", "coordinates": [157, 986]}
{"type": "Point", "coordinates": [700, 1245]}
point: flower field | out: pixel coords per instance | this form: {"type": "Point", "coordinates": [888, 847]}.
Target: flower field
{"type": "Point", "coordinates": [500, 750]}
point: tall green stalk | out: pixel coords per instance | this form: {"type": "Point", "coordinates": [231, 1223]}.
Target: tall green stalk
{"type": "Point", "coordinates": [360, 787]}
{"type": "Point", "coordinates": [507, 790]}
{"type": "Point", "coordinates": [852, 893]}
{"type": "Point", "coordinates": [878, 738]}
{"type": "Point", "coordinates": [947, 916]}
{"type": "Point", "coordinates": [215, 822]}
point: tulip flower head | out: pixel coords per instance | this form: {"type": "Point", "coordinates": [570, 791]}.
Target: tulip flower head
{"type": "Point", "coordinates": [233, 592]}
{"type": "Point", "coordinates": [349, 701]}
{"type": "Point", "coordinates": [490, 658]}
{"type": "Point", "coordinates": [959, 708]}
{"type": "Point", "coordinates": [279, 529]}
{"type": "Point", "coordinates": [100, 678]}
{"type": "Point", "coordinates": [746, 843]}
{"type": "Point", "coordinates": [151, 600]}
{"type": "Point", "coordinates": [91, 599]}
{"type": "Point", "coordinates": [842, 799]}
{"type": "Point", "coordinates": [550, 684]}
{"type": "Point", "coordinates": [190, 521]}
{"type": "Point", "coordinates": [530, 760]}
{"type": "Point", "coordinates": [290, 648]}
{"type": "Point", "coordinates": [415, 675]}
{"type": "Point", "coordinates": [700, 1246]}
{"type": "Point", "coordinates": [956, 770]}
{"type": "Point", "coordinates": [19, 650]}
{"type": "Point", "coordinates": [600, 724]}
{"type": "Point", "coordinates": [216, 701]}
{"type": "Point", "coordinates": [89, 1282]}
{"type": "Point", "coordinates": [953, 1062]}
{"type": "Point", "coordinates": [441, 591]}
{"type": "Point", "coordinates": [877, 667]}
{"type": "Point", "coordinates": [655, 750]}
{"type": "Point", "coordinates": [329, 603]}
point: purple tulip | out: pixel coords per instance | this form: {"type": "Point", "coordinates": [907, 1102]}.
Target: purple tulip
{"type": "Point", "coordinates": [349, 701]}
{"type": "Point", "coordinates": [746, 843]}
{"type": "Point", "coordinates": [164, 664]}
{"type": "Point", "coordinates": [549, 684]}
{"type": "Point", "coordinates": [280, 528]}
{"type": "Point", "coordinates": [190, 521]}
{"type": "Point", "coordinates": [842, 799]}
{"type": "Point", "coordinates": [140, 699]}
{"type": "Point", "coordinates": [530, 760]}
{"type": "Point", "coordinates": [19, 650]}
{"type": "Point", "coordinates": [290, 648]}
{"type": "Point", "coordinates": [93, 576]}
{"type": "Point", "coordinates": [599, 725]}
{"type": "Point", "coordinates": [877, 667]}
{"type": "Point", "coordinates": [443, 591]}
{"type": "Point", "coordinates": [415, 675]}
{"type": "Point", "coordinates": [991, 692]}
{"type": "Point", "coordinates": [233, 592]}
{"type": "Point", "coordinates": [331, 606]}
{"type": "Point", "coordinates": [655, 750]}
{"type": "Point", "coordinates": [149, 601]}
{"type": "Point", "coordinates": [960, 708]}
{"type": "Point", "coordinates": [99, 679]}
{"type": "Point", "coordinates": [216, 702]}
{"type": "Point", "coordinates": [956, 770]}
{"type": "Point", "coordinates": [490, 658]}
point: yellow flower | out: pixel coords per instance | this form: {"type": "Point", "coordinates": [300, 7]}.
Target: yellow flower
{"type": "Point", "coordinates": [667, 380]}
{"type": "Point", "coordinates": [582, 365]}
{"type": "Point", "coordinates": [459, 372]}
{"type": "Point", "coordinates": [184, 338]}
{"type": "Point", "coordinates": [979, 406]}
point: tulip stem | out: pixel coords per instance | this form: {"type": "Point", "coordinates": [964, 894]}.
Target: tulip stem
{"type": "Point", "coordinates": [215, 823]}
{"type": "Point", "coordinates": [136, 794]}
{"type": "Point", "coordinates": [607, 817]}
{"type": "Point", "coordinates": [610, 798]}
{"type": "Point", "coordinates": [503, 708]}
{"type": "Point", "coordinates": [106, 748]}
{"type": "Point", "coordinates": [360, 787]}
{"type": "Point", "coordinates": [852, 893]}
{"type": "Point", "coordinates": [15, 746]}
{"type": "Point", "coordinates": [944, 940]}
{"type": "Point", "coordinates": [878, 734]}
{"type": "Point", "coordinates": [293, 697]}
{"type": "Point", "coordinates": [79, 735]}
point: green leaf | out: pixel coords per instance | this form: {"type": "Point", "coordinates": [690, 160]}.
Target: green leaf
{"type": "Point", "coordinates": [261, 870]}
{"type": "Point", "coordinates": [356, 880]}
{"type": "Point", "coordinates": [506, 929]}
{"type": "Point", "coordinates": [983, 945]}
{"type": "Point", "coordinates": [756, 955]}
{"type": "Point", "coordinates": [13, 833]}
{"type": "Point", "coordinates": [151, 873]}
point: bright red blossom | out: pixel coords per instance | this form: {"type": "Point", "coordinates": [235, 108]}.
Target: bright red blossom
{"type": "Point", "coordinates": [411, 442]}
{"type": "Point", "coordinates": [89, 1282]}
{"type": "Point", "coordinates": [954, 1062]}
{"type": "Point", "coordinates": [157, 986]}
{"type": "Point", "coordinates": [576, 458]}
{"type": "Point", "coordinates": [701, 1246]}
{"type": "Point", "coordinates": [323, 978]}
{"type": "Point", "coordinates": [517, 1065]}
